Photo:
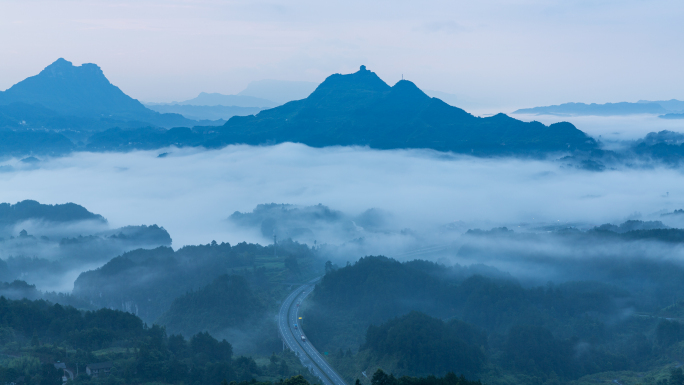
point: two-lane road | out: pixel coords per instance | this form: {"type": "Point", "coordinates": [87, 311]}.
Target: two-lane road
{"type": "Point", "coordinates": [292, 336]}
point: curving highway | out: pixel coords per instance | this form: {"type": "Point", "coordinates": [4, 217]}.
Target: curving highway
{"type": "Point", "coordinates": [292, 336]}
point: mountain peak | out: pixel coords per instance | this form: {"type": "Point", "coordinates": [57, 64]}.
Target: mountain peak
{"type": "Point", "coordinates": [73, 90]}
{"type": "Point", "coordinates": [63, 68]}
{"type": "Point", "coordinates": [407, 92]}
{"type": "Point", "coordinates": [360, 109]}
{"type": "Point", "coordinates": [61, 62]}
{"type": "Point", "coordinates": [407, 86]}
{"type": "Point", "coordinates": [351, 89]}
{"type": "Point", "coordinates": [363, 78]}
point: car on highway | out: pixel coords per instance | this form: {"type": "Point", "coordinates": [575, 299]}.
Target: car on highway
{"type": "Point", "coordinates": [303, 339]}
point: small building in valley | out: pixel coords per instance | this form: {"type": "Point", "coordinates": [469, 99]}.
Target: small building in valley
{"type": "Point", "coordinates": [100, 369]}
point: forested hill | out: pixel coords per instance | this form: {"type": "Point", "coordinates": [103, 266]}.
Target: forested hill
{"type": "Point", "coordinates": [170, 274]}
{"type": "Point", "coordinates": [426, 345]}
{"type": "Point", "coordinates": [420, 317]}
{"type": "Point", "coordinates": [28, 209]}
{"type": "Point", "coordinates": [375, 289]}
{"type": "Point", "coordinates": [226, 302]}
{"type": "Point", "coordinates": [36, 334]}
{"type": "Point", "coordinates": [361, 109]}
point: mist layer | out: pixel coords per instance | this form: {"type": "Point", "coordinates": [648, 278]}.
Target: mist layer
{"type": "Point", "coordinates": [192, 192]}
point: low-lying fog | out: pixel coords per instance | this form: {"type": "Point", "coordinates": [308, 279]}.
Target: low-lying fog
{"type": "Point", "coordinates": [192, 192]}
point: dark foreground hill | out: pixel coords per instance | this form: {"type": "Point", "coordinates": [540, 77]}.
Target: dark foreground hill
{"type": "Point", "coordinates": [36, 334]}
{"type": "Point", "coordinates": [420, 317]}
{"type": "Point", "coordinates": [361, 109]}
{"type": "Point", "coordinates": [170, 274]}
{"type": "Point", "coordinates": [228, 301]}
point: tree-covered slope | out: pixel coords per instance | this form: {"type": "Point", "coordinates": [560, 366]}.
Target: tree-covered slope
{"type": "Point", "coordinates": [557, 320]}
{"type": "Point", "coordinates": [146, 282]}
{"type": "Point", "coordinates": [361, 109]}
{"type": "Point", "coordinates": [36, 334]}
{"type": "Point", "coordinates": [226, 302]}
{"type": "Point", "coordinates": [29, 209]}
{"type": "Point", "coordinates": [419, 344]}
{"type": "Point", "coordinates": [230, 291]}
{"type": "Point", "coordinates": [488, 328]}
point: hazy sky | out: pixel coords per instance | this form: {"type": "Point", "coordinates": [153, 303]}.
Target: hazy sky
{"type": "Point", "coordinates": [501, 53]}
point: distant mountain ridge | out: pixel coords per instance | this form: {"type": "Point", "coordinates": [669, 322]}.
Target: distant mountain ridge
{"type": "Point", "coordinates": [667, 107]}
{"type": "Point", "coordinates": [672, 116]}
{"type": "Point", "coordinates": [279, 91]}
{"type": "Point", "coordinates": [608, 109]}
{"type": "Point", "coordinates": [672, 105]}
{"type": "Point", "coordinates": [216, 99]}
{"type": "Point", "coordinates": [361, 109]}
{"type": "Point", "coordinates": [77, 96]}
{"type": "Point", "coordinates": [205, 112]}
{"type": "Point", "coordinates": [259, 95]}
{"type": "Point", "coordinates": [357, 109]}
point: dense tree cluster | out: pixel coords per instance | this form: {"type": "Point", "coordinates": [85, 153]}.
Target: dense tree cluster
{"type": "Point", "coordinates": [169, 274]}
{"type": "Point", "coordinates": [43, 333]}
{"type": "Point", "coordinates": [425, 345]}
{"type": "Point", "coordinates": [227, 302]}
{"type": "Point", "coordinates": [534, 350]}
{"type": "Point", "coordinates": [567, 329]}
{"type": "Point", "coordinates": [382, 378]}
{"type": "Point", "coordinates": [56, 323]}
{"type": "Point", "coordinates": [375, 289]}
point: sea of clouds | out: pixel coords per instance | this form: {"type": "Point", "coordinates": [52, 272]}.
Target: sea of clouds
{"type": "Point", "coordinates": [192, 192]}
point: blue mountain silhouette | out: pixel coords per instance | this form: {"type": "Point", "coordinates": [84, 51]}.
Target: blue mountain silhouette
{"type": "Point", "coordinates": [361, 109]}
